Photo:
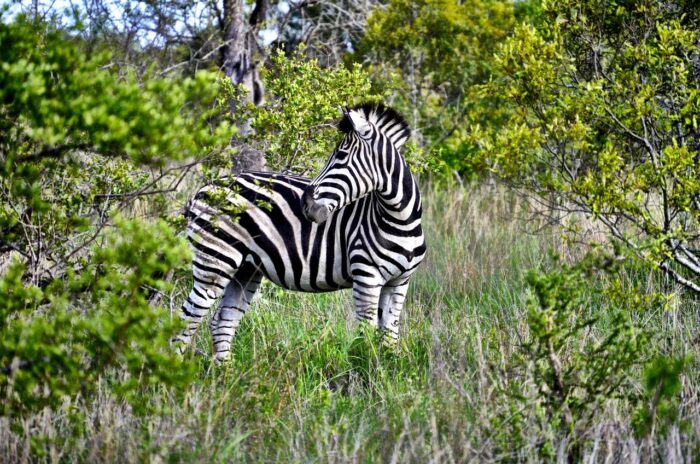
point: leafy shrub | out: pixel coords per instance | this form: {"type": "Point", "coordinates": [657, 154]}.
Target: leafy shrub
{"type": "Point", "coordinates": [572, 372]}
{"type": "Point", "coordinates": [606, 122]}
{"type": "Point", "coordinates": [294, 127]}
{"type": "Point", "coordinates": [56, 342]}
{"type": "Point", "coordinates": [79, 144]}
{"type": "Point", "coordinates": [431, 56]}
{"type": "Point", "coordinates": [662, 388]}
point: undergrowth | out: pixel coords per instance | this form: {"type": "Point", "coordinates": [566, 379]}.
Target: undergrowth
{"type": "Point", "coordinates": [468, 381]}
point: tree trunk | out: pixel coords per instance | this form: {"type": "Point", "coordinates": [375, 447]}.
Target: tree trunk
{"type": "Point", "coordinates": [238, 63]}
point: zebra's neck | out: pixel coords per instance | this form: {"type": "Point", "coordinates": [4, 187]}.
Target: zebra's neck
{"type": "Point", "coordinates": [399, 198]}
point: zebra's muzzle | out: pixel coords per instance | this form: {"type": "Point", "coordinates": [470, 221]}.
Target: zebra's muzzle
{"type": "Point", "coordinates": [313, 211]}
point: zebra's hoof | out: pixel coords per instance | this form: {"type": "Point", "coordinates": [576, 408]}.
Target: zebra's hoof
{"type": "Point", "coordinates": [220, 359]}
{"type": "Point", "coordinates": [179, 346]}
{"type": "Point", "coordinates": [389, 340]}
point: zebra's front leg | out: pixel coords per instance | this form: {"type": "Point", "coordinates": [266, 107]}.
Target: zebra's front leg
{"type": "Point", "coordinates": [391, 304]}
{"type": "Point", "coordinates": [232, 308]}
{"type": "Point", "coordinates": [366, 298]}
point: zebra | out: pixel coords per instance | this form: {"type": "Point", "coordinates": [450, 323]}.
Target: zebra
{"type": "Point", "coordinates": [356, 225]}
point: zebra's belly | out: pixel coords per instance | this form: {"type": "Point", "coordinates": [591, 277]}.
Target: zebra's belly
{"type": "Point", "coordinates": [305, 276]}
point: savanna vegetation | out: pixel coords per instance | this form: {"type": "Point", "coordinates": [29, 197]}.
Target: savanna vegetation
{"type": "Point", "coordinates": [555, 317]}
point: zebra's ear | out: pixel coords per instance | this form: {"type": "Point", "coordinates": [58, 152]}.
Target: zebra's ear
{"type": "Point", "coordinates": [359, 122]}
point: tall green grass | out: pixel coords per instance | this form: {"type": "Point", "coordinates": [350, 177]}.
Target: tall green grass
{"type": "Point", "coordinates": [304, 385]}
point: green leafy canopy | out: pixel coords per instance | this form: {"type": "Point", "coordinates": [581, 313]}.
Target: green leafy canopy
{"type": "Point", "coordinates": [606, 97]}
{"type": "Point", "coordinates": [78, 144]}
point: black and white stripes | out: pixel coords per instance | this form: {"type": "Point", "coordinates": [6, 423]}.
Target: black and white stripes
{"type": "Point", "coordinates": [357, 224]}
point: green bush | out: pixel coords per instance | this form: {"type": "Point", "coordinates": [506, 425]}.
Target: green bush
{"type": "Point", "coordinates": [78, 145]}
{"type": "Point", "coordinates": [573, 373]}
{"type": "Point", "coordinates": [294, 128]}
{"type": "Point", "coordinates": [58, 341]}
{"type": "Point", "coordinates": [606, 98]}
{"type": "Point", "coordinates": [431, 56]}
{"type": "Point", "coordinates": [662, 389]}
{"type": "Point", "coordinates": [78, 142]}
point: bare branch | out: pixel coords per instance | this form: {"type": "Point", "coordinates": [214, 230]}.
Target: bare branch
{"type": "Point", "coordinates": [54, 152]}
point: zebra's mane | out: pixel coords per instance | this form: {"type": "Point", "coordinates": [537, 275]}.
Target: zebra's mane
{"type": "Point", "coordinates": [384, 118]}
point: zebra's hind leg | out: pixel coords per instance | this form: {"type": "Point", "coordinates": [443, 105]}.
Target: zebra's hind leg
{"type": "Point", "coordinates": [391, 303]}
{"type": "Point", "coordinates": [237, 297]}
{"type": "Point", "coordinates": [208, 287]}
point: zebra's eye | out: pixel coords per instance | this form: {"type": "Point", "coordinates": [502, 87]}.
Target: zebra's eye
{"type": "Point", "coordinates": [340, 155]}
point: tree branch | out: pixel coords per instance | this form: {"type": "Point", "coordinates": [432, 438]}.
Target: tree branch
{"type": "Point", "coordinates": [54, 152]}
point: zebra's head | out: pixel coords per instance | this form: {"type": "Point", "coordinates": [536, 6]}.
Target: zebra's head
{"type": "Point", "coordinates": [361, 163]}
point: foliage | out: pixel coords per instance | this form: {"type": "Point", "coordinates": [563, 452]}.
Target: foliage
{"type": "Point", "coordinates": [55, 99]}
{"type": "Point", "coordinates": [293, 128]}
{"type": "Point", "coordinates": [575, 374]}
{"type": "Point", "coordinates": [58, 341]}
{"type": "Point", "coordinates": [607, 96]}
{"type": "Point", "coordinates": [663, 380]}
{"type": "Point", "coordinates": [433, 53]}
{"type": "Point", "coordinates": [77, 142]}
